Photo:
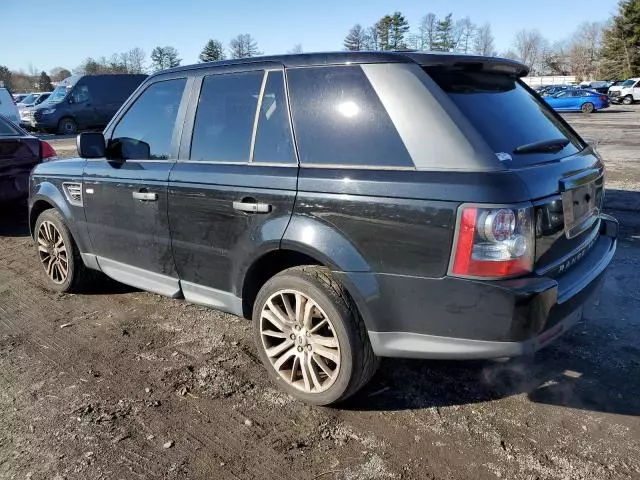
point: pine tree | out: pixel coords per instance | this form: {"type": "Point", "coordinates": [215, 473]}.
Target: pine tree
{"type": "Point", "coordinates": [5, 77]}
{"type": "Point", "coordinates": [355, 39]}
{"type": "Point", "coordinates": [383, 30]}
{"type": "Point", "coordinates": [444, 34]}
{"type": "Point", "coordinates": [398, 31]}
{"type": "Point", "coordinates": [212, 52]}
{"type": "Point", "coordinates": [44, 83]}
{"type": "Point", "coordinates": [621, 48]}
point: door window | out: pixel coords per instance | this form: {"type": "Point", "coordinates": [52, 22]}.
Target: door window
{"type": "Point", "coordinates": [146, 130]}
{"type": "Point", "coordinates": [80, 94]}
{"type": "Point", "coordinates": [225, 117]}
{"type": "Point", "coordinates": [274, 142]}
{"type": "Point", "coordinates": [339, 119]}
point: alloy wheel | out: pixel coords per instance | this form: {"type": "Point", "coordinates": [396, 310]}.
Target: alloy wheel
{"type": "Point", "coordinates": [300, 341]}
{"type": "Point", "coordinates": [53, 252]}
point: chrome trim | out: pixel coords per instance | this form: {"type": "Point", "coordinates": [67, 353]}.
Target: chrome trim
{"type": "Point", "coordinates": [256, 117]}
{"type": "Point", "coordinates": [66, 188]}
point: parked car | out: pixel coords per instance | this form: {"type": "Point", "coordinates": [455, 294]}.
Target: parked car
{"type": "Point", "coordinates": [578, 100]}
{"type": "Point", "coordinates": [404, 219]}
{"type": "Point", "coordinates": [25, 109]}
{"type": "Point", "coordinates": [19, 153]}
{"type": "Point", "coordinates": [596, 86]}
{"type": "Point", "coordinates": [626, 93]}
{"type": "Point", "coordinates": [7, 107]}
{"type": "Point", "coordinates": [18, 97]}
{"type": "Point", "coordinates": [33, 99]}
{"type": "Point", "coordinates": [554, 89]}
{"type": "Point", "coordinates": [83, 101]}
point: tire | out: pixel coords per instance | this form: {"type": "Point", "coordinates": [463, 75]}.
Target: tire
{"type": "Point", "coordinates": [628, 100]}
{"type": "Point", "coordinates": [337, 367]}
{"type": "Point", "coordinates": [588, 108]}
{"type": "Point", "coordinates": [67, 126]}
{"type": "Point", "coordinates": [51, 230]}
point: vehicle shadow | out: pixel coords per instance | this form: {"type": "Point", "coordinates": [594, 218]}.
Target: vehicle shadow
{"type": "Point", "coordinates": [14, 219]}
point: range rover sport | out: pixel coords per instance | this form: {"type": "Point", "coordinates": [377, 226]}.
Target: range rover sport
{"type": "Point", "coordinates": [353, 205]}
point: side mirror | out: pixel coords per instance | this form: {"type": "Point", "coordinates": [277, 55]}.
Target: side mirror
{"type": "Point", "coordinates": [91, 145]}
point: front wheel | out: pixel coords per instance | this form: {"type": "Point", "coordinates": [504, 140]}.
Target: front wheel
{"type": "Point", "coordinates": [588, 108]}
{"type": "Point", "coordinates": [628, 100]}
{"type": "Point", "coordinates": [311, 338]}
{"type": "Point", "coordinates": [59, 255]}
{"type": "Point", "coordinates": [67, 126]}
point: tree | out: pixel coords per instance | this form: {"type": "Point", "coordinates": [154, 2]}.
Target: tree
{"type": "Point", "coordinates": [136, 60]}
{"type": "Point", "coordinates": [621, 45]}
{"type": "Point", "coordinates": [529, 46]}
{"type": "Point", "coordinates": [398, 30]}
{"type": "Point", "coordinates": [89, 66]}
{"type": "Point", "coordinates": [5, 77]}
{"type": "Point", "coordinates": [583, 54]}
{"type": "Point", "coordinates": [164, 57]}
{"type": "Point", "coordinates": [212, 51]}
{"type": "Point", "coordinates": [383, 31]}
{"type": "Point", "coordinates": [58, 74]}
{"type": "Point", "coordinates": [244, 46]}
{"type": "Point", "coordinates": [443, 41]}
{"type": "Point", "coordinates": [371, 39]}
{"type": "Point", "coordinates": [464, 33]}
{"type": "Point", "coordinates": [44, 83]}
{"type": "Point", "coordinates": [355, 39]}
{"type": "Point", "coordinates": [297, 48]}
{"type": "Point", "coordinates": [426, 37]}
{"type": "Point", "coordinates": [483, 43]}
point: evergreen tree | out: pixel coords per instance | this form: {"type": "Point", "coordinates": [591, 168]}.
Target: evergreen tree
{"type": "Point", "coordinates": [212, 51]}
{"type": "Point", "coordinates": [44, 83]}
{"type": "Point", "coordinates": [398, 30]}
{"type": "Point", "coordinates": [355, 39]}
{"type": "Point", "coordinates": [5, 77]}
{"type": "Point", "coordinates": [383, 30]}
{"type": "Point", "coordinates": [444, 41]}
{"type": "Point", "coordinates": [621, 47]}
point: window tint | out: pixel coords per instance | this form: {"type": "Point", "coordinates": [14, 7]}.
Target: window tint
{"type": "Point", "coordinates": [274, 142]}
{"type": "Point", "coordinates": [146, 130]}
{"type": "Point", "coordinates": [505, 114]}
{"type": "Point", "coordinates": [339, 119]}
{"type": "Point", "coordinates": [81, 94]}
{"type": "Point", "coordinates": [225, 117]}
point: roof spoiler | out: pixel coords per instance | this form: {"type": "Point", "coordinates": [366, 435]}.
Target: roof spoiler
{"type": "Point", "coordinates": [470, 62]}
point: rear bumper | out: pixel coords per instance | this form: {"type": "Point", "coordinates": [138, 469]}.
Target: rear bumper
{"type": "Point", "coordinates": [454, 318]}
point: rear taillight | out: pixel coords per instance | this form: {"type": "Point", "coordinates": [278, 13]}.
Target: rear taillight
{"type": "Point", "coordinates": [47, 152]}
{"type": "Point", "coordinates": [604, 98]}
{"type": "Point", "coordinates": [493, 242]}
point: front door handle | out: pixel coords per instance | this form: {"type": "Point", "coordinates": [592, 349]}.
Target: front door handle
{"type": "Point", "coordinates": [252, 207]}
{"type": "Point", "coordinates": [145, 196]}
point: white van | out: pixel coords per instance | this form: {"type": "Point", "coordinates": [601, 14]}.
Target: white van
{"type": "Point", "coordinates": [7, 107]}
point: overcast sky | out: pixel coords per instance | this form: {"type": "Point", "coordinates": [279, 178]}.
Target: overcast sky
{"type": "Point", "coordinates": [47, 34]}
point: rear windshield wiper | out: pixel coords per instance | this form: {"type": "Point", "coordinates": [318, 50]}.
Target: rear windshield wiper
{"type": "Point", "coordinates": [543, 146]}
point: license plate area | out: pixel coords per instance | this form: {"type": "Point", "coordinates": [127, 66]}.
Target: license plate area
{"type": "Point", "coordinates": [581, 206]}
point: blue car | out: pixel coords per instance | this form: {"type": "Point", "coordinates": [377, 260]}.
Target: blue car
{"type": "Point", "coordinates": [578, 100]}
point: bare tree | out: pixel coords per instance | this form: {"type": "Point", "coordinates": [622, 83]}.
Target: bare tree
{"type": "Point", "coordinates": [464, 31]}
{"type": "Point", "coordinates": [483, 43]}
{"type": "Point", "coordinates": [243, 46]}
{"type": "Point", "coordinates": [135, 60]}
{"type": "Point", "coordinates": [371, 38]}
{"type": "Point", "coordinates": [529, 46]}
{"type": "Point", "coordinates": [297, 48]}
{"type": "Point", "coordinates": [427, 32]}
{"type": "Point", "coordinates": [355, 39]}
{"type": "Point", "coordinates": [584, 50]}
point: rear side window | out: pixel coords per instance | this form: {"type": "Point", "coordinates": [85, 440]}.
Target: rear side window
{"type": "Point", "coordinates": [339, 119]}
{"type": "Point", "coordinates": [146, 130]}
{"type": "Point", "coordinates": [274, 142]}
{"type": "Point", "coordinates": [505, 114]}
{"type": "Point", "coordinates": [225, 117]}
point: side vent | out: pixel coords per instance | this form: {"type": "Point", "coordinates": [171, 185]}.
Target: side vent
{"type": "Point", "coordinates": [73, 192]}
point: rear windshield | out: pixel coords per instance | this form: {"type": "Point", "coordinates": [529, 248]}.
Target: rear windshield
{"type": "Point", "coordinates": [6, 129]}
{"type": "Point", "coordinates": [506, 115]}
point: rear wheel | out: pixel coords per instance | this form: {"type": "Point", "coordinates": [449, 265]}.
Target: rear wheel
{"type": "Point", "coordinates": [59, 255]}
{"type": "Point", "coordinates": [67, 126]}
{"type": "Point", "coordinates": [588, 108]}
{"type": "Point", "coordinates": [311, 338]}
{"type": "Point", "coordinates": [628, 100]}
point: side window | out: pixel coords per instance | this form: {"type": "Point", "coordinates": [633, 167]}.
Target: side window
{"type": "Point", "coordinates": [146, 130]}
{"type": "Point", "coordinates": [339, 119]}
{"type": "Point", "coordinates": [80, 94]}
{"type": "Point", "coordinates": [274, 142]}
{"type": "Point", "coordinates": [225, 117]}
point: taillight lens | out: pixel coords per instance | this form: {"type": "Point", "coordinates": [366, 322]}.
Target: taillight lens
{"type": "Point", "coordinates": [604, 98]}
{"type": "Point", "coordinates": [493, 243]}
{"type": "Point", "coordinates": [47, 152]}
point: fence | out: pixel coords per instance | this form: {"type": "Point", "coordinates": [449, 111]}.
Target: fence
{"type": "Point", "coordinates": [552, 80]}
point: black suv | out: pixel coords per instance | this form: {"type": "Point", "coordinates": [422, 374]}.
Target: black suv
{"type": "Point", "coordinates": [354, 205]}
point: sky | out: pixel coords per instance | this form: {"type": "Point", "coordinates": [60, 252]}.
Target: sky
{"type": "Point", "coordinates": [49, 34]}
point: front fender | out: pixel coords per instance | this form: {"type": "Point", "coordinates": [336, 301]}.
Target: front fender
{"type": "Point", "coordinates": [49, 192]}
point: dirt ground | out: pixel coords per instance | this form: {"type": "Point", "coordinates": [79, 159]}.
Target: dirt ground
{"type": "Point", "coordinates": [122, 384]}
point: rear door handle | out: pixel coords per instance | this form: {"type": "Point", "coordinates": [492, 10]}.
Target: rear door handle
{"type": "Point", "coordinates": [252, 207]}
{"type": "Point", "coordinates": [145, 196]}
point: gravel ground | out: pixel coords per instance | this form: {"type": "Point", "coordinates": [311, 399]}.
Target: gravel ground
{"type": "Point", "coordinates": [122, 384]}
